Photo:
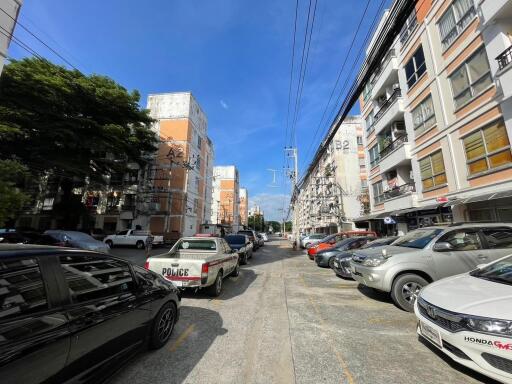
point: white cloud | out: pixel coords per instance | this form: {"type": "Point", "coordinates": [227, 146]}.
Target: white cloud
{"type": "Point", "coordinates": [223, 104]}
{"type": "Point", "coordinates": [271, 204]}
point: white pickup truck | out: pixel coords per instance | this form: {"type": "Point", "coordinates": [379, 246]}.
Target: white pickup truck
{"type": "Point", "coordinates": [134, 238]}
{"type": "Point", "coordinates": [197, 262]}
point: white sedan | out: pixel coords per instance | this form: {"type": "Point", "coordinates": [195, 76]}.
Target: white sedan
{"type": "Point", "coordinates": [469, 318]}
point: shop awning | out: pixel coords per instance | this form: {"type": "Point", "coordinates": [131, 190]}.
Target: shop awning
{"type": "Point", "coordinates": [414, 209]}
{"type": "Point", "coordinates": [483, 197]}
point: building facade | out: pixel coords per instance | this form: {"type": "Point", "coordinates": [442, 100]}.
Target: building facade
{"type": "Point", "coordinates": [177, 195]}
{"type": "Point", "coordinates": [8, 18]}
{"type": "Point", "coordinates": [334, 192]}
{"type": "Point", "coordinates": [244, 207]}
{"type": "Point", "coordinates": [437, 130]}
{"type": "Point", "coordinates": [225, 196]}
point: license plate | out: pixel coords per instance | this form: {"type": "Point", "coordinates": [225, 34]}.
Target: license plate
{"type": "Point", "coordinates": [177, 283]}
{"type": "Point", "coordinates": [431, 333]}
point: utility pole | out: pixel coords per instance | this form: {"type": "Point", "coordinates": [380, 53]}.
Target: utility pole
{"type": "Point", "coordinates": [291, 152]}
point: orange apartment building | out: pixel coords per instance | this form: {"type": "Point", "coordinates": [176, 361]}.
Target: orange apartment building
{"type": "Point", "coordinates": [226, 200]}
{"type": "Point", "coordinates": [244, 207]}
{"type": "Point", "coordinates": [438, 118]}
{"type": "Point", "coordinates": [181, 179]}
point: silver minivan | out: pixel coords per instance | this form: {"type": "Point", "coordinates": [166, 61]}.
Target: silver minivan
{"type": "Point", "coordinates": [429, 254]}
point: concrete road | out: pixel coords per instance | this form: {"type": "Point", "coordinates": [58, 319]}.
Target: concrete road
{"type": "Point", "coordinates": [284, 320]}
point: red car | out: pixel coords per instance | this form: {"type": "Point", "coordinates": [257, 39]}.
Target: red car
{"type": "Point", "coordinates": [329, 241]}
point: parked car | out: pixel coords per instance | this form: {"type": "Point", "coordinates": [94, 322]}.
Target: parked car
{"type": "Point", "coordinates": [329, 241]}
{"type": "Point", "coordinates": [260, 240]}
{"type": "Point", "coordinates": [242, 245]}
{"type": "Point", "coordinates": [12, 237]}
{"type": "Point", "coordinates": [252, 237]}
{"type": "Point", "coordinates": [199, 263]}
{"type": "Point", "coordinates": [75, 239]}
{"type": "Point", "coordinates": [341, 263]}
{"type": "Point", "coordinates": [264, 236]}
{"type": "Point", "coordinates": [71, 315]}
{"type": "Point", "coordinates": [325, 258]}
{"type": "Point", "coordinates": [428, 254]}
{"type": "Point", "coordinates": [312, 239]}
{"type": "Point", "coordinates": [134, 238]}
{"type": "Point", "coordinates": [469, 318]}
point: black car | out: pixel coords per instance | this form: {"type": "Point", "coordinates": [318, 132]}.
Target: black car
{"type": "Point", "coordinates": [75, 315]}
{"type": "Point", "coordinates": [341, 263]}
{"type": "Point", "coordinates": [12, 237]}
{"type": "Point", "coordinates": [252, 237]}
{"type": "Point", "coordinates": [325, 258]}
{"type": "Point", "coordinates": [242, 245]}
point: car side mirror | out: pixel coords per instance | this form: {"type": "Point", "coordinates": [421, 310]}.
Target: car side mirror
{"type": "Point", "coordinates": [442, 246]}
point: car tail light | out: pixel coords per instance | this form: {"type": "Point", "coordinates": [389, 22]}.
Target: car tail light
{"type": "Point", "coordinates": [146, 264]}
{"type": "Point", "coordinates": [204, 273]}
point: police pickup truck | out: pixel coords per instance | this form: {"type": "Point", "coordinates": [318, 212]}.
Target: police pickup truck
{"type": "Point", "coordinates": [197, 262]}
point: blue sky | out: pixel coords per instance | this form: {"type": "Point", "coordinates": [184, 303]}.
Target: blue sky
{"type": "Point", "coordinates": [234, 55]}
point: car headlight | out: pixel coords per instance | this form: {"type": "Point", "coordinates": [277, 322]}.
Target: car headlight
{"type": "Point", "coordinates": [493, 326]}
{"type": "Point", "coordinates": [373, 261]}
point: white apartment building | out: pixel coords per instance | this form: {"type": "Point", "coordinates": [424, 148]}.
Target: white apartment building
{"type": "Point", "coordinates": [333, 193]}
{"type": "Point", "coordinates": [437, 118]}
{"type": "Point", "coordinates": [7, 24]}
{"type": "Point", "coordinates": [225, 196]}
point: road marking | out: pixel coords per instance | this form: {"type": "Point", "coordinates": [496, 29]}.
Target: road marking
{"type": "Point", "coordinates": [344, 368]}
{"type": "Point", "coordinates": [182, 338]}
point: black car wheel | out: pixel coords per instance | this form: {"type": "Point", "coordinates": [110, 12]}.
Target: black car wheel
{"type": "Point", "coordinates": [244, 259]}
{"type": "Point", "coordinates": [405, 290]}
{"type": "Point", "coordinates": [236, 271]}
{"type": "Point", "coordinates": [216, 288]}
{"type": "Point", "coordinates": [331, 262]}
{"type": "Point", "coordinates": [109, 243]}
{"type": "Point", "coordinates": [163, 325]}
{"type": "Point", "coordinates": [139, 244]}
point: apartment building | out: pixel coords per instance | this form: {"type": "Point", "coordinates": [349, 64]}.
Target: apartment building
{"type": "Point", "coordinates": [243, 207]}
{"type": "Point", "coordinates": [179, 183]}
{"type": "Point", "coordinates": [334, 192]}
{"type": "Point", "coordinates": [437, 130]}
{"type": "Point", "coordinates": [226, 199]}
{"type": "Point", "coordinates": [8, 18]}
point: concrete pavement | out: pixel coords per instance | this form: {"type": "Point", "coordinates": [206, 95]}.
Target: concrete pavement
{"type": "Point", "coordinates": [284, 320]}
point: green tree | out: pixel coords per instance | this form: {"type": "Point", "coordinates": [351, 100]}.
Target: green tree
{"type": "Point", "coordinates": [12, 199]}
{"type": "Point", "coordinates": [256, 222]}
{"type": "Point", "coordinates": [79, 128]}
{"type": "Point", "coordinates": [276, 226]}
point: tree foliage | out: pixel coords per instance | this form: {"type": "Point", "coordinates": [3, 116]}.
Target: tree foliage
{"type": "Point", "coordinates": [52, 118]}
{"type": "Point", "coordinates": [12, 198]}
{"type": "Point", "coordinates": [256, 222]}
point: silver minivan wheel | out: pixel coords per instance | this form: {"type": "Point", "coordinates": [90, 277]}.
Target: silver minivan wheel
{"type": "Point", "coordinates": [405, 290]}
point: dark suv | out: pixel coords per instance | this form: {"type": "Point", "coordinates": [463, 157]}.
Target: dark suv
{"type": "Point", "coordinates": [252, 237]}
{"type": "Point", "coordinates": [73, 315]}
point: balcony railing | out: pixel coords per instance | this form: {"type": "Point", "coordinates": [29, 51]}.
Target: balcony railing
{"type": "Point", "coordinates": [392, 146]}
{"type": "Point", "coordinates": [388, 103]}
{"type": "Point", "coordinates": [505, 58]}
{"type": "Point", "coordinates": [399, 191]}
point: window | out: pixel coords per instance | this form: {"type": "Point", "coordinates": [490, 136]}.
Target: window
{"type": "Point", "coordinates": [95, 277]}
{"type": "Point", "coordinates": [471, 78]}
{"type": "Point", "coordinates": [487, 148]}
{"type": "Point", "coordinates": [423, 116]}
{"type": "Point", "coordinates": [415, 67]}
{"type": "Point", "coordinates": [455, 20]}
{"type": "Point", "coordinates": [498, 237]}
{"type": "Point", "coordinates": [122, 233]}
{"type": "Point", "coordinates": [22, 288]}
{"type": "Point", "coordinates": [378, 195]}
{"type": "Point", "coordinates": [462, 240]}
{"type": "Point", "coordinates": [369, 122]}
{"type": "Point", "coordinates": [199, 141]}
{"type": "Point", "coordinates": [364, 183]}
{"type": "Point", "coordinates": [374, 155]}
{"type": "Point", "coordinates": [194, 245]}
{"type": "Point", "coordinates": [367, 90]}
{"type": "Point", "coordinates": [408, 27]}
{"type": "Point", "coordinates": [432, 171]}
{"type": "Point", "coordinates": [359, 140]}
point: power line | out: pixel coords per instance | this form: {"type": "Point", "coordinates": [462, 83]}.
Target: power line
{"type": "Point", "coordinates": [338, 77]}
{"type": "Point", "coordinates": [303, 68]}
{"type": "Point", "coordinates": [20, 43]}
{"type": "Point", "coordinates": [16, 22]}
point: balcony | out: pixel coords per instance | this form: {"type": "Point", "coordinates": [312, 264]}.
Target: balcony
{"type": "Point", "coordinates": [505, 58]}
{"type": "Point", "coordinates": [504, 74]}
{"type": "Point", "coordinates": [387, 73]}
{"type": "Point", "coordinates": [396, 153]}
{"type": "Point", "coordinates": [400, 197]}
{"type": "Point", "coordinates": [491, 10]}
{"type": "Point", "coordinates": [390, 110]}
